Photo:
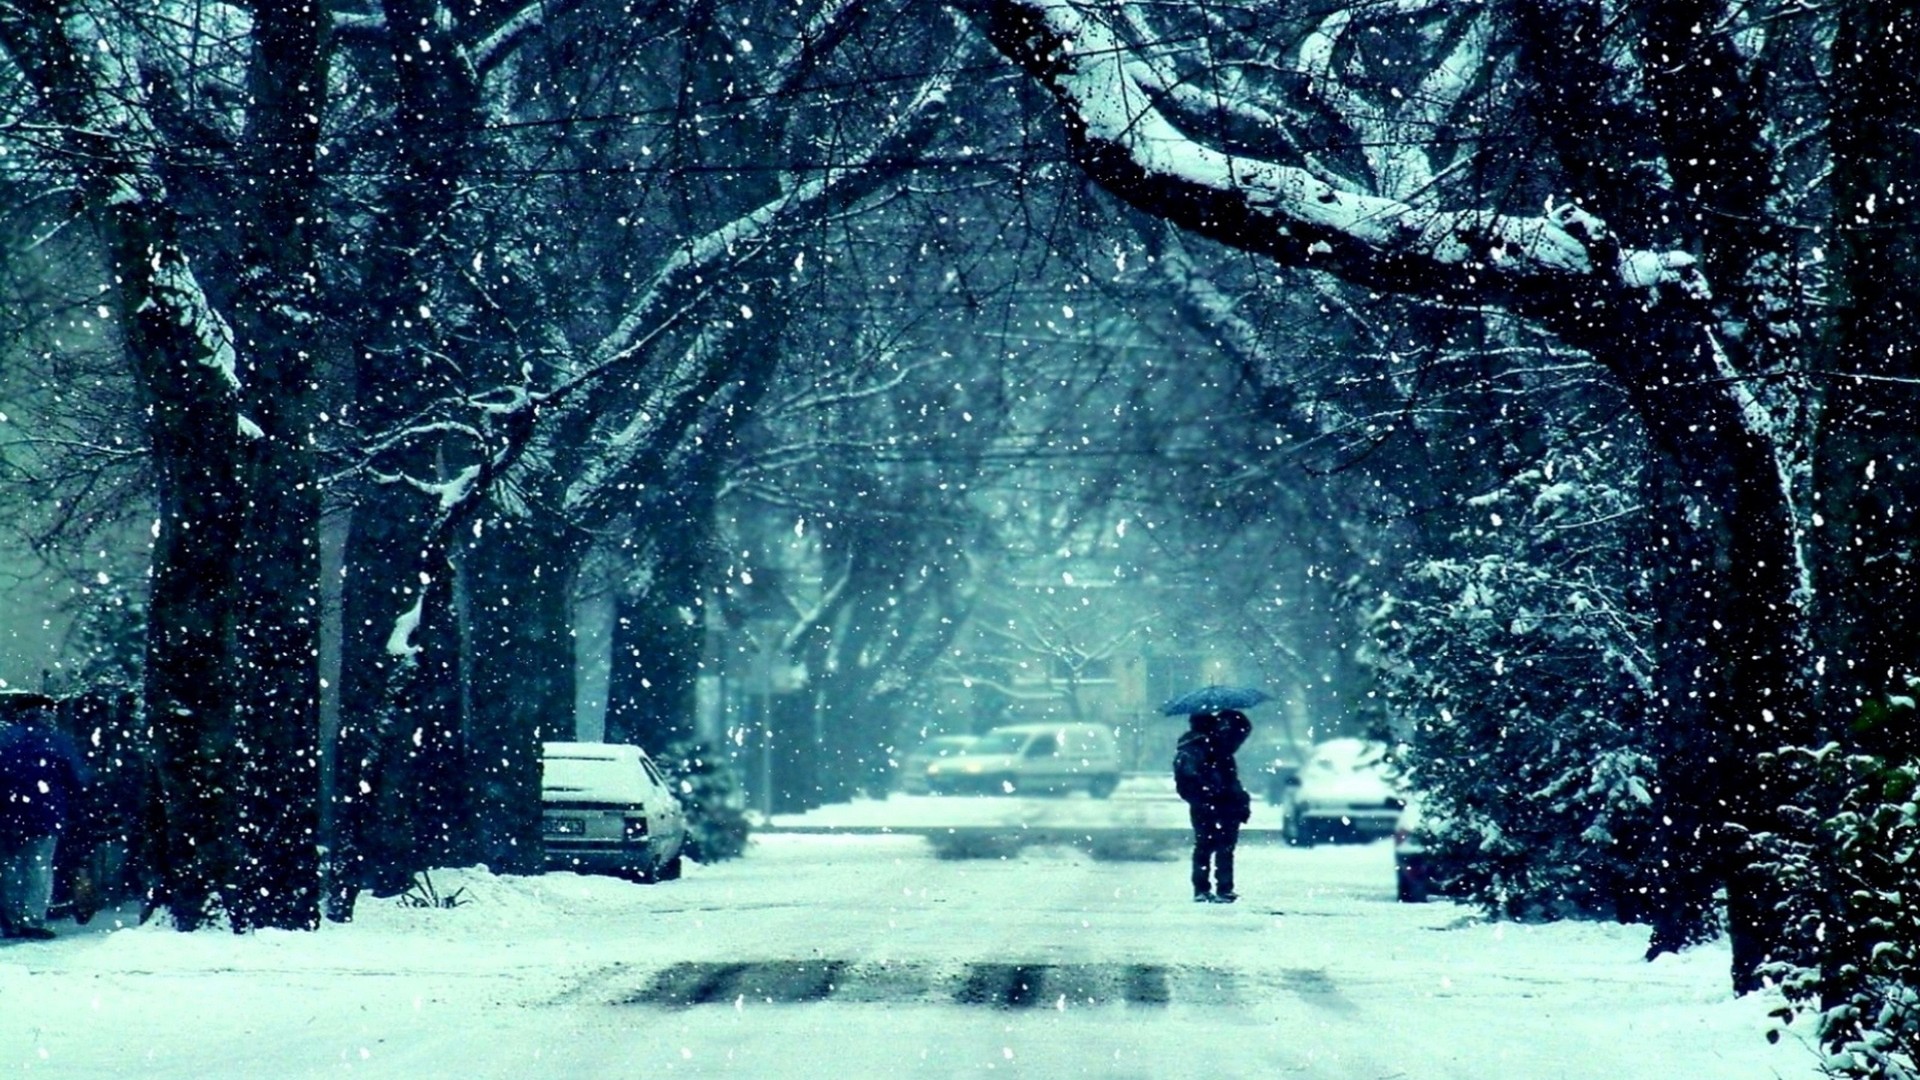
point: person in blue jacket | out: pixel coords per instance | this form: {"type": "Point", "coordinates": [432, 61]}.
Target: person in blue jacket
{"type": "Point", "coordinates": [1208, 778]}
{"type": "Point", "coordinates": [41, 777]}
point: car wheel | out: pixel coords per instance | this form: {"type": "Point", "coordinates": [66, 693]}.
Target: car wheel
{"type": "Point", "coordinates": [1413, 888]}
{"type": "Point", "coordinates": [1304, 833]}
{"type": "Point", "coordinates": [1101, 787]}
{"type": "Point", "coordinates": [669, 870]}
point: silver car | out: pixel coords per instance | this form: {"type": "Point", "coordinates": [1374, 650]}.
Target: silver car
{"type": "Point", "coordinates": [606, 808]}
{"type": "Point", "coordinates": [1342, 791]}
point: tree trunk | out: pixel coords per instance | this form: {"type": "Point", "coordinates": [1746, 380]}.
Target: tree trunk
{"type": "Point", "coordinates": [190, 630]}
{"type": "Point", "coordinates": [382, 703]}
{"type": "Point", "coordinates": [659, 631]}
{"type": "Point", "coordinates": [182, 363]}
{"type": "Point", "coordinates": [1733, 596]}
{"type": "Point", "coordinates": [1867, 474]}
{"type": "Point", "coordinates": [233, 633]}
{"type": "Point", "coordinates": [276, 650]}
{"type": "Point", "coordinates": [519, 619]}
{"type": "Point", "coordinates": [400, 788]}
{"type": "Point", "coordinates": [1733, 592]}
{"type": "Point", "coordinates": [658, 635]}
{"type": "Point", "coordinates": [1682, 906]}
{"type": "Point", "coordinates": [385, 772]}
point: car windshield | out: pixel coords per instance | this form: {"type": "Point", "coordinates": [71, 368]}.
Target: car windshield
{"type": "Point", "coordinates": [1348, 756]}
{"type": "Point", "coordinates": [1082, 741]}
{"type": "Point", "coordinates": [999, 742]}
{"type": "Point", "coordinates": [946, 745]}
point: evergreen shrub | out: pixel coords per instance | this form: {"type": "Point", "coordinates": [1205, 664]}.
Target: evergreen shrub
{"type": "Point", "coordinates": [710, 792]}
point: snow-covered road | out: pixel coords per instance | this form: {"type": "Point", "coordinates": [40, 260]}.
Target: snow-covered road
{"type": "Point", "coordinates": [855, 956]}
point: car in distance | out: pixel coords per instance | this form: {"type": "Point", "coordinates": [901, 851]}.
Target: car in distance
{"type": "Point", "coordinates": [1031, 759]}
{"type": "Point", "coordinates": [913, 767]}
{"type": "Point", "coordinates": [606, 808]}
{"type": "Point", "coordinates": [1343, 791]}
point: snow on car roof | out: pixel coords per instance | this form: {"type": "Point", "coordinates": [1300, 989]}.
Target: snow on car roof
{"type": "Point", "coordinates": [580, 751]}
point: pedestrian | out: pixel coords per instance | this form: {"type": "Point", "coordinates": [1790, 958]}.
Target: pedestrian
{"type": "Point", "coordinates": [1207, 777]}
{"type": "Point", "coordinates": [41, 777]}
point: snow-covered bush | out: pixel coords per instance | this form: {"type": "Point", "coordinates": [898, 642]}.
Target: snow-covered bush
{"type": "Point", "coordinates": [710, 793]}
{"type": "Point", "coordinates": [1858, 871]}
{"type": "Point", "coordinates": [1518, 677]}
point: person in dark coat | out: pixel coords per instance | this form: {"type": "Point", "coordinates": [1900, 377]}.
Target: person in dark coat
{"type": "Point", "coordinates": [41, 777]}
{"type": "Point", "coordinates": [1208, 778]}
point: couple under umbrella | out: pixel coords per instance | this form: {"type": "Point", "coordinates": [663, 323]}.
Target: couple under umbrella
{"type": "Point", "coordinates": [1207, 777]}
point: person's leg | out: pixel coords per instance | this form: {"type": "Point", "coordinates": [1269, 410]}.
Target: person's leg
{"type": "Point", "coordinates": [18, 883]}
{"type": "Point", "coordinates": [13, 885]}
{"type": "Point", "coordinates": [1202, 851]}
{"type": "Point", "coordinates": [36, 866]}
{"type": "Point", "coordinates": [1200, 858]}
{"type": "Point", "coordinates": [1223, 858]}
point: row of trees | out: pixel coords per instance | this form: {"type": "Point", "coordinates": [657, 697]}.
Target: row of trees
{"type": "Point", "coordinates": [1731, 244]}
{"type": "Point", "coordinates": [496, 289]}
{"type": "Point", "coordinates": [549, 300]}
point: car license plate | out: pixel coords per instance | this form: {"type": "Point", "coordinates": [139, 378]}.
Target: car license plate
{"type": "Point", "coordinates": [563, 826]}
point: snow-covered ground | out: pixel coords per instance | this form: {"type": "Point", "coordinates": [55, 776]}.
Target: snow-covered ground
{"type": "Point", "coordinates": [867, 955]}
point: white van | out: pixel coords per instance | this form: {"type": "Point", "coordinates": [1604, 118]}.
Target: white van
{"type": "Point", "coordinates": [1032, 758]}
{"type": "Point", "coordinates": [605, 807]}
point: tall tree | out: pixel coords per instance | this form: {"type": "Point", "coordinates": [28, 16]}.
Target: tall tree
{"type": "Point", "coordinates": [1864, 493]}
{"type": "Point", "coordinates": [231, 687]}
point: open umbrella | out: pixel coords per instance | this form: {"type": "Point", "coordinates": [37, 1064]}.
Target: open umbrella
{"type": "Point", "coordinates": [1213, 699]}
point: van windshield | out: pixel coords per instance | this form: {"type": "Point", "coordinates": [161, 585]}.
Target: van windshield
{"type": "Point", "coordinates": [1000, 742]}
{"type": "Point", "coordinates": [1088, 741]}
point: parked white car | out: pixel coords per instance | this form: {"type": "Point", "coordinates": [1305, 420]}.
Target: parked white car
{"type": "Point", "coordinates": [1032, 759]}
{"type": "Point", "coordinates": [1342, 791]}
{"type": "Point", "coordinates": [606, 808]}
